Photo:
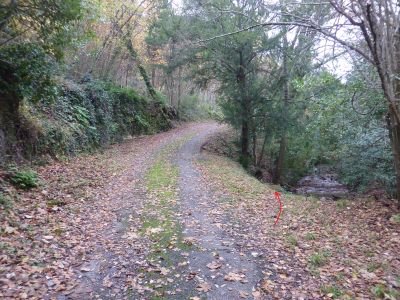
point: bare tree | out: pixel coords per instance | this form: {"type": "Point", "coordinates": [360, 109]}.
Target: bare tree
{"type": "Point", "coordinates": [378, 22]}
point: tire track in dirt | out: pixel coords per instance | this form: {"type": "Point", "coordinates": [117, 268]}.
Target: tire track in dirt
{"type": "Point", "coordinates": [221, 270]}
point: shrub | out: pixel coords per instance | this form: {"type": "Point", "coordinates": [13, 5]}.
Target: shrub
{"type": "Point", "coordinates": [32, 69]}
{"type": "Point", "coordinates": [25, 180]}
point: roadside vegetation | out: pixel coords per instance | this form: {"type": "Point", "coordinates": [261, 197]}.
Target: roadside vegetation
{"type": "Point", "coordinates": [317, 248]}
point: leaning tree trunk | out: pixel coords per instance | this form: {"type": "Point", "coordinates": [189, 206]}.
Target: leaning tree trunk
{"type": "Point", "coordinates": [142, 70]}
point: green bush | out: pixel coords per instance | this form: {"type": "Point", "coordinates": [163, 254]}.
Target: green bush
{"type": "Point", "coordinates": [90, 115]}
{"type": "Point", "coordinates": [25, 180]}
{"type": "Point", "coordinates": [59, 117]}
{"type": "Point", "coordinates": [32, 71]}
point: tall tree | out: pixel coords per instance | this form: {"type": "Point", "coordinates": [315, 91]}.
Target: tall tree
{"type": "Point", "coordinates": [232, 62]}
{"type": "Point", "coordinates": [378, 22]}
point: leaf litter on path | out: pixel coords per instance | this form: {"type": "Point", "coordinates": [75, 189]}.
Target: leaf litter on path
{"type": "Point", "coordinates": [77, 225]}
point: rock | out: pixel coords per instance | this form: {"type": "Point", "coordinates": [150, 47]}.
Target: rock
{"type": "Point", "coordinates": [323, 185]}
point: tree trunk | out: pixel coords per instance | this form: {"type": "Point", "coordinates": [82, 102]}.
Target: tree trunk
{"type": "Point", "coordinates": [9, 111]}
{"type": "Point", "coordinates": [245, 141]}
{"type": "Point", "coordinates": [179, 90]}
{"type": "Point", "coordinates": [281, 159]}
{"type": "Point", "coordinates": [241, 80]}
{"type": "Point", "coordinates": [394, 132]}
{"type": "Point", "coordinates": [254, 144]}
{"type": "Point", "coordinates": [141, 68]}
{"type": "Point", "coordinates": [286, 100]}
{"type": "Point", "coordinates": [153, 76]}
{"type": "Point", "coordinates": [260, 157]}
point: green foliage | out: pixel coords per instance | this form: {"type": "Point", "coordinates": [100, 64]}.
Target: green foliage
{"type": "Point", "coordinates": [382, 292]}
{"type": "Point", "coordinates": [310, 236]}
{"type": "Point", "coordinates": [25, 180]}
{"type": "Point", "coordinates": [192, 108]}
{"type": "Point", "coordinates": [342, 204]}
{"type": "Point", "coordinates": [395, 219]}
{"type": "Point", "coordinates": [319, 259]}
{"type": "Point", "coordinates": [332, 290]}
{"type": "Point", "coordinates": [47, 23]}
{"type": "Point", "coordinates": [55, 202]}
{"type": "Point", "coordinates": [27, 72]}
{"type": "Point", "coordinates": [91, 115]}
{"type": "Point", "coordinates": [291, 239]}
{"type": "Point", "coordinates": [344, 127]}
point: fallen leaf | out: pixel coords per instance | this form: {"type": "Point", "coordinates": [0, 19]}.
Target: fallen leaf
{"type": "Point", "coordinates": [203, 287]}
{"type": "Point", "coordinates": [191, 275]}
{"type": "Point", "coordinates": [164, 271]}
{"type": "Point", "coordinates": [243, 294]}
{"type": "Point", "coordinates": [189, 241]}
{"type": "Point", "coordinates": [256, 294]}
{"type": "Point", "coordinates": [131, 236]}
{"type": "Point", "coordinates": [214, 265]}
{"type": "Point", "coordinates": [233, 276]}
{"type": "Point", "coordinates": [9, 229]}
{"type": "Point", "coordinates": [267, 285]}
{"type": "Point", "coordinates": [107, 282]}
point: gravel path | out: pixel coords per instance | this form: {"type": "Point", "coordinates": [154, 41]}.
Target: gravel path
{"type": "Point", "coordinates": [229, 273]}
{"type": "Point", "coordinates": [111, 269]}
{"type": "Point", "coordinates": [116, 258]}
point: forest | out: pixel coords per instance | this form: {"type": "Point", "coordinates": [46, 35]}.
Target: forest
{"type": "Point", "coordinates": [128, 122]}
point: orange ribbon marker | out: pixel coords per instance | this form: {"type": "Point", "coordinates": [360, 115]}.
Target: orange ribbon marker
{"type": "Point", "coordinates": [278, 198]}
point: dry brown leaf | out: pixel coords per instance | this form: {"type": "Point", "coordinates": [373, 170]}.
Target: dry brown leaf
{"type": "Point", "coordinates": [243, 294]}
{"type": "Point", "coordinates": [191, 275]}
{"type": "Point", "coordinates": [164, 271]}
{"type": "Point", "coordinates": [203, 287]}
{"type": "Point", "coordinates": [214, 265]}
{"type": "Point", "coordinates": [256, 294]}
{"type": "Point", "coordinates": [234, 276]}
